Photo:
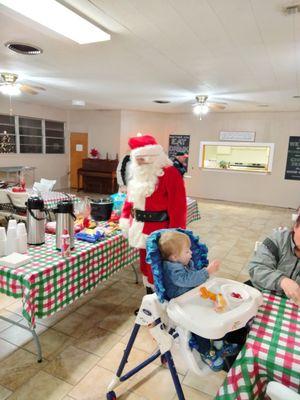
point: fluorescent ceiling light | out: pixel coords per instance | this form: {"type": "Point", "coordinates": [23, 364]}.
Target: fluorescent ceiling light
{"type": "Point", "coordinates": [59, 18]}
{"type": "Point", "coordinates": [10, 90]}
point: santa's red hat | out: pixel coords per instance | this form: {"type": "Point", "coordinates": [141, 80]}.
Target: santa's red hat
{"type": "Point", "coordinates": [143, 146]}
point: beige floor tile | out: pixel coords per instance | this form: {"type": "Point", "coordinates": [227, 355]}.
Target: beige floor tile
{"type": "Point", "coordinates": [71, 364]}
{"type": "Point", "coordinates": [6, 349]}
{"type": "Point", "coordinates": [208, 384]}
{"type": "Point", "coordinates": [144, 341]}
{"type": "Point", "coordinates": [119, 323]}
{"type": "Point", "coordinates": [74, 324]}
{"type": "Point", "coordinates": [14, 306]}
{"type": "Point", "coordinates": [193, 394]}
{"type": "Point", "coordinates": [98, 310]}
{"type": "Point", "coordinates": [7, 314]}
{"type": "Point", "coordinates": [4, 393]}
{"type": "Point", "coordinates": [42, 386]}
{"type": "Point", "coordinates": [51, 341]}
{"type": "Point", "coordinates": [112, 358]}
{"type": "Point", "coordinates": [154, 382]}
{"type": "Point", "coordinates": [6, 301]}
{"type": "Point", "coordinates": [20, 336]}
{"type": "Point", "coordinates": [94, 385]}
{"type": "Point", "coordinates": [97, 341]}
{"type": "Point", "coordinates": [18, 368]}
{"type": "Point", "coordinates": [113, 295]}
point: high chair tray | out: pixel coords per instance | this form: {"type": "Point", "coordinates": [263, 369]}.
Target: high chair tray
{"type": "Point", "coordinates": [199, 315]}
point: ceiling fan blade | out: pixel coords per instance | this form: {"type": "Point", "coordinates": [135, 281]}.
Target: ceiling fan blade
{"type": "Point", "coordinates": [27, 89]}
{"type": "Point", "coordinates": [217, 106]}
{"type": "Point", "coordinates": [33, 87]}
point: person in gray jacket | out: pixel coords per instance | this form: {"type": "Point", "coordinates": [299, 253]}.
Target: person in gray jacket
{"type": "Point", "coordinates": [276, 264]}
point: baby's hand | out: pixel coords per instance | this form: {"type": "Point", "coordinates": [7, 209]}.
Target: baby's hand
{"type": "Point", "coordinates": [213, 267]}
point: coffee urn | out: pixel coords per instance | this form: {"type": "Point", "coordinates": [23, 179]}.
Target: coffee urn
{"type": "Point", "coordinates": [36, 218]}
{"type": "Point", "coordinates": [64, 216]}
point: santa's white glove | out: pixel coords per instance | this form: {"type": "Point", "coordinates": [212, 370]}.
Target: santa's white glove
{"type": "Point", "coordinates": [124, 226]}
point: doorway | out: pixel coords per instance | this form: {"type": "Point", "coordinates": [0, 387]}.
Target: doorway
{"type": "Point", "coordinates": [78, 151]}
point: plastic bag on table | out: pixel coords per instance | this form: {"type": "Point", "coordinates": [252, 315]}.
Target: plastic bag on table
{"type": "Point", "coordinates": [118, 200]}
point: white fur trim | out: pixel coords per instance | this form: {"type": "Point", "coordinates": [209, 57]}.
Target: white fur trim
{"type": "Point", "coordinates": [150, 150]}
{"type": "Point", "coordinates": [136, 237]}
{"type": "Point", "coordinates": [147, 284]}
{"type": "Point", "coordinates": [124, 224]}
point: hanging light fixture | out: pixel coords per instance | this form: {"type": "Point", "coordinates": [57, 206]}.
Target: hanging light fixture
{"type": "Point", "coordinates": [201, 108]}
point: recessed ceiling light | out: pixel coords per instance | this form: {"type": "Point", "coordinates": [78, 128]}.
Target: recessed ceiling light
{"type": "Point", "coordinates": [296, 96]}
{"type": "Point", "coordinates": [59, 18]}
{"type": "Point", "coordinates": [80, 103]}
{"type": "Point", "coordinates": [161, 101]}
{"type": "Point", "coordinates": [23, 48]}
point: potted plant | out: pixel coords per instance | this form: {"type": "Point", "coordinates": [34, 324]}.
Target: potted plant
{"type": "Point", "coordinates": [94, 153]}
{"type": "Point", "coordinates": [223, 164]}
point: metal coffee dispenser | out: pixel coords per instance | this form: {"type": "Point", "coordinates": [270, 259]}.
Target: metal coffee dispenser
{"type": "Point", "coordinates": [36, 218]}
{"type": "Point", "coordinates": [64, 215]}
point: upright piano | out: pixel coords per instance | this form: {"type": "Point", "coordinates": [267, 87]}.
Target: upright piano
{"type": "Point", "coordinates": [98, 176]}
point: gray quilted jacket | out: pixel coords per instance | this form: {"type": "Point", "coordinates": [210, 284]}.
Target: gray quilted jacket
{"type": "Point", "coordinates": [264, 270]}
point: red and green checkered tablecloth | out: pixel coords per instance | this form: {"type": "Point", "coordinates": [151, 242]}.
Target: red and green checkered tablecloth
{"type": "Point", "coordinates": [271, 353]}
{"type": "Point", "coordinates": [51, 199]}
{"type": "Point", "coordinates": [192, 210]}
{"type": "Point", "coordinates": [50, 282]}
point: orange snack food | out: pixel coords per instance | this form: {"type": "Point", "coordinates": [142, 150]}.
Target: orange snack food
{"type": "Point", "coordinates": [204, 292]}
{"type": "Point", "coordinates": [212, 296]}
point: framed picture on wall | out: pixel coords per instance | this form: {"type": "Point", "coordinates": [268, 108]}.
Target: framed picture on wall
{"type": "Point", "coordinates": [178, 142]}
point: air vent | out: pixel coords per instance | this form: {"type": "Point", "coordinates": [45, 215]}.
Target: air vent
{"type": "Point", "coordinates": [161, 101]}
{"type": "Point", "coordinates": [23, 48]}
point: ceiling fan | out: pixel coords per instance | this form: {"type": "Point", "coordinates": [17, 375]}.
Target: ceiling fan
{"type": "Point", "coordinates": [202, 106]}
{"type": "Point", "coordinates": [9, 85]}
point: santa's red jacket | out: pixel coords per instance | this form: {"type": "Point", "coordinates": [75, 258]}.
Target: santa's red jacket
{"type": "Point", "coordinates": [169, 196]}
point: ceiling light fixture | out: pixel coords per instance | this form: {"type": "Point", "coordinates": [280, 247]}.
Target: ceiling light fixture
{"type": "Point", "coordinates": [161, 101]}
{"type": "Point", "coordinates": [59, 18]}
{"type": "Point", "coordinates": [10, 89]}
{"type": "Point", "coordinates": [201, 108]}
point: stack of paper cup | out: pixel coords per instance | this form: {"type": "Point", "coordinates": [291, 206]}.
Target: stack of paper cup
{"type": "Point", "coordinates": [12, 223]}
{"type": "Point", "coordinates": [11, 240]}
{"type": "Point", "coordinates": [22, 237]}
{"type": "Point", "coordinates": [2, 241]}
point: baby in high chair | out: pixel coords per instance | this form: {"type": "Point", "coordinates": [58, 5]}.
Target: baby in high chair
{"type": "Point", "coordinates": [180, 276]}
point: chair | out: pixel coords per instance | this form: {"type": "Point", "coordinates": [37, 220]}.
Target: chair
{"type": "Point", "coordinates": [174, 321]}
{"type": "Point", "coordinates": [277, 391]}
{"type": "Point", "coordinates": [5, 204]}
{"type": "Point", "coordinates": [18, 203]}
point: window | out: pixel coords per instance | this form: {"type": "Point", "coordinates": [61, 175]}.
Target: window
{"type": "Point", "coordinates": [31, 135]}
{"type": "Point", "coordinates": [236, 156]}
{"type": "Point", "coordinates": [31, 138]}
{"type": "Point", "coordinates": [55, 137]}
{"type": "Point", "coordinates": [7, 134]}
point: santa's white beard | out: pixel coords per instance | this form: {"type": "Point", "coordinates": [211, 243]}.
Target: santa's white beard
{"type": "Point", "coordinates": [145, 178]}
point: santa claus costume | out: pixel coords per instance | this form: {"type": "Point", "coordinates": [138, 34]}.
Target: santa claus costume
{"type": "Point", "coordinates": [156, 197]}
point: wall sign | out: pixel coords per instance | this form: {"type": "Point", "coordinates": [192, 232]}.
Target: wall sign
{"type": "Point", "coordinates": [292, 169]}
{"type": "Point", "coordinates": [178, 143]}
{"type": "Point", "coordinates": [237, 136]}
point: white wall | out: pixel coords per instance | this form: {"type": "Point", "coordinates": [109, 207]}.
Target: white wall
{"type": "Point", "coordinates": [271, 189]}
{"type": "Point", "coordinates": [51, 166]}
{"type": "Point", "coordinates": [152, 123]}
{"type": "Point", "coordinates": [103, 128]}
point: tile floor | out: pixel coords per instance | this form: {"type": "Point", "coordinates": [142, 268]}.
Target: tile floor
{"type": "Point", "coordinates": [83, 344]}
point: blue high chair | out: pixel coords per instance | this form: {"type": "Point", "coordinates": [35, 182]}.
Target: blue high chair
{"type": "Point", "coordinates": [174, 321]}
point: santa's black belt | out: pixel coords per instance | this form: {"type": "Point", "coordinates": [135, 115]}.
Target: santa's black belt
{"type": "Point", "coordinates": [149, 216]}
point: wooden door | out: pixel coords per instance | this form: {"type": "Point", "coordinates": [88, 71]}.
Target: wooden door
{"type": "Point", "coordinates": [78, 151]}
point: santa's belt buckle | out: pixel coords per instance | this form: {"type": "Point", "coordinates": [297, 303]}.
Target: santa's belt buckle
{"type": "Point", "coordinates": [149, 216]}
